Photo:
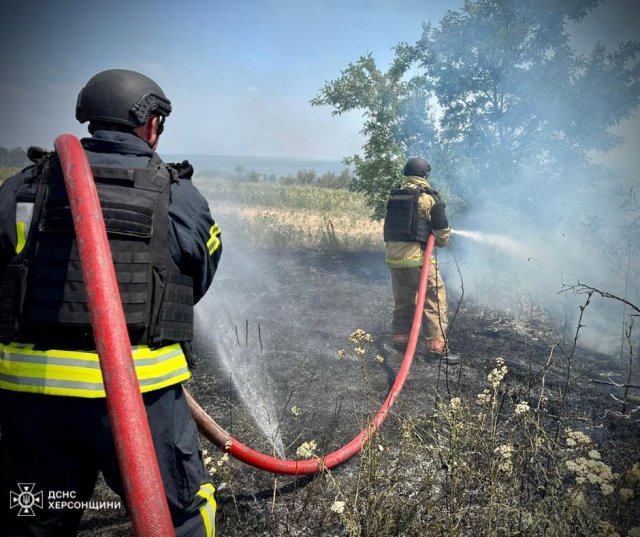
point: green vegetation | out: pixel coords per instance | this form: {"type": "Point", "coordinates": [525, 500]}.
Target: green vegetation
{"type": "Point", "coordinates": [495, 96]}
{"type": "Point", "coordinates": [12, 161]}
{"type": "Point", "coordinates": [16, 157]}
{"type": "Point", "coordinates": [301, 177]}
{"type": "Point", "coordinates": [272, 213]}
{"type": "Point", "coordinates": [7, 171]}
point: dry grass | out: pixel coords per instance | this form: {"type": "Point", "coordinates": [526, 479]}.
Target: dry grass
{"type": "Point", "coordinates": [297, 216]}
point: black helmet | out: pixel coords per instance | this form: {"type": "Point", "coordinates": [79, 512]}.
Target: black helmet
{"type": "Point", "coordinates": [417, 166]}
{"type": "Point", "coordinates": [123, 97]}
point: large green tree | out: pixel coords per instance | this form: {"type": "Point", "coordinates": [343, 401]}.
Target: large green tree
{"type": "Point", "coordinates": [497, 98]}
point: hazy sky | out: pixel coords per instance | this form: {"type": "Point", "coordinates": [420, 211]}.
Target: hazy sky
{"type": "Point", "coordinates": [239, 73]}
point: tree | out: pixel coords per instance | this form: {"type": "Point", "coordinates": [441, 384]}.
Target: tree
{"type": "Point", "coordinates": [16, 157]}
{"type": "Point", "coordinates": [519, 109]}
{"type": "Point", "coordinates": [385, 100]}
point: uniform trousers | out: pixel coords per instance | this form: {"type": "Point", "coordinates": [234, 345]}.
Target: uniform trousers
{"type": "Point", "coordinates": [56, 446]}
{"type": "Point", "coordinates": [405, 282]}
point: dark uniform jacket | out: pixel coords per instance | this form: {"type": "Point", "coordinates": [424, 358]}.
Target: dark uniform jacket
{"type": "Point", "coordinates": [193, 240]}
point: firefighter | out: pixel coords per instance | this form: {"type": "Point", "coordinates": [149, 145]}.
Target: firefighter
{"type": "Point", "coordinates": [166, 248]}
{"type": "Point", "coordinates": [413, 211]}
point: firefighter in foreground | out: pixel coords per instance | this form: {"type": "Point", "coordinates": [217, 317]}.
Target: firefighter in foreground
{"type": "Point", "coordinates": [413, 211]}
{"type": "Point", "coordinates": [166, 247]}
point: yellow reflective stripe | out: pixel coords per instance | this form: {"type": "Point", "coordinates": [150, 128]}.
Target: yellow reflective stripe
{"type": "Point", "coordinates": [214, 242]}
{"type": "Point", "coordinates": [404, 263]}
{"type": "Point", "coordinates": [24, 213]}
{"type": "Point", "coordinates": [21, 236]}
{"type": "Point", "coordinates": [77, 373]}
{"type": "Point", "coordinates": [208, 509]}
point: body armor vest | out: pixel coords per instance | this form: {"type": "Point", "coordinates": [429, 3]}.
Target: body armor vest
{"type": "Point", "coordinates": [43, 300]}
{"type": "Point", "coordinates": [403, 221]}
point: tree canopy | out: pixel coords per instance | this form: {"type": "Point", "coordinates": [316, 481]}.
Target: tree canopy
{"type": "Point", "coordinates": [495, 97]}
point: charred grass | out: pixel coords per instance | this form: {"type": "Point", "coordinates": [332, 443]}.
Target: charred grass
{"type": "Point", "coordinates": [506, 444]}
{"type": "Point", "coordinates": [531, 435]}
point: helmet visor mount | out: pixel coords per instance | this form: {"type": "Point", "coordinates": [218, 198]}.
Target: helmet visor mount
{"type": "Point", "coordinates": [148, 105]}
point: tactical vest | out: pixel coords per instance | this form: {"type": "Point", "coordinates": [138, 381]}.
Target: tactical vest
{"type": "Point", "coordinates": [403, 221]}
{"type": "Point", "coordinates": [42, 296]}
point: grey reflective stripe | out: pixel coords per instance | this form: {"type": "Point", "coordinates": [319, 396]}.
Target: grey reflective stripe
{"type": "Point", "coordinates": [50, 360]}
{"type": "Point", "coordinates": [208, 509]}
{"type": "Point", "coordinates": [158, 359]}
{"type": "Point", "coordinates": [52, 383]}
{"type": "Point", "coordinates": [24, 213]}
{"type": "Point", "coordinates": [78, 385]}
{"type": "Point", "coordinates": [168, 376]}
{"type": "Point", "coordinates": [76, 362]}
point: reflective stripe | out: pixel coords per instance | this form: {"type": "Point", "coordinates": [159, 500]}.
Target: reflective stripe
{"type": "Point", "coordinates": [21, 236]}
{"type": "Point", "coordinates": [408, 263]}
{"type": "Point", "coordinates": [24, 212]}
{"type": "Point", "coordinates": [214, 242]}
{"type": "Point", "coordinates": [404, 263]}
{"type": "Point", "coordinates": [208, 510]}
{"type": "Point", "coordinates": [78, 374]}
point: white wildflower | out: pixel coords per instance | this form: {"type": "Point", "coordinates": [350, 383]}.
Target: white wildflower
{"type": "Point", "coordinates": [360, 336]}
{"type": "Point", "coordinates": [483, 398]}
{"type": "Point", "coordinates": [306, 450]}
{"type": "Point", "coordinates": [505, 465]}
{"type": "Point", "coordinates": [496, 375]}
{"type": "Point", "coordinates": [625, 494]}
{"type": "Point", "coordinates": [577, 438]}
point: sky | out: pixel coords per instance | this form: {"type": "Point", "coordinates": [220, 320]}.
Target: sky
{"type": "Point", "coordinates": [240, 74]}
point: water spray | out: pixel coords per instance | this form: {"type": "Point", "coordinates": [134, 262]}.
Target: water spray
{"type": "Point", "coordinates": [224, 441]}
{"type": "Point", "coordinates": [501, 242]}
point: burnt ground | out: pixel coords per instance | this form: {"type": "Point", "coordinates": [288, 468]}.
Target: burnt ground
{"type": "Point", "coordinates": [269, 372]}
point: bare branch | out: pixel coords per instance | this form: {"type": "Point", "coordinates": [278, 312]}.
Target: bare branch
{"type": "Point", "coordinates": [611, 383]}
{"type": "Point", "coordinates": [582, 288]}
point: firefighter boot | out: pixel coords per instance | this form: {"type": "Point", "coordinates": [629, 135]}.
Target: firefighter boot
{"type": "Point", "coordinates": [438, 349]}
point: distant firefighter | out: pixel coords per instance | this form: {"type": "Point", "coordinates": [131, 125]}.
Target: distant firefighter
{"type": "Point", "coordinates": [56, 435]}
{"type": "Point", "coordinates": [413, 212]}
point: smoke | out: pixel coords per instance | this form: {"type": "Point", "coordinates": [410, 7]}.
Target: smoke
{"type": "Point", "coordinates": [528, 269]}
{"type": "Point", "coordinates": [534, 209]}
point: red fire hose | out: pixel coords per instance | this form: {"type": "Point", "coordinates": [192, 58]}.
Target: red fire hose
{"type": "Point", "coordinates": [223, 440]}
{"type": "Point", "coordinates": [141, 478]}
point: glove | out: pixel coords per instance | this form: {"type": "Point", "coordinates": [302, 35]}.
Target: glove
{"type": "Point", "coordinates": [183, 169]}
{"type": "Point", "coordinates": [37, 155]}
{"type": "Point", "coordinates": [438, 216]}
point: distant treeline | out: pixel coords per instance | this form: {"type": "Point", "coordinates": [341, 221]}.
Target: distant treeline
{"type": "Point", "coordinates": [13, 157]}
{"type": "Point", "coordinates": [301, 177]}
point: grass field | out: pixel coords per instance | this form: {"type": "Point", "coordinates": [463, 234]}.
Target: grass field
{"type": "Point", "coordinates": [298, 216]}
{"type": "Point", "coordinates": [7, 171]}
